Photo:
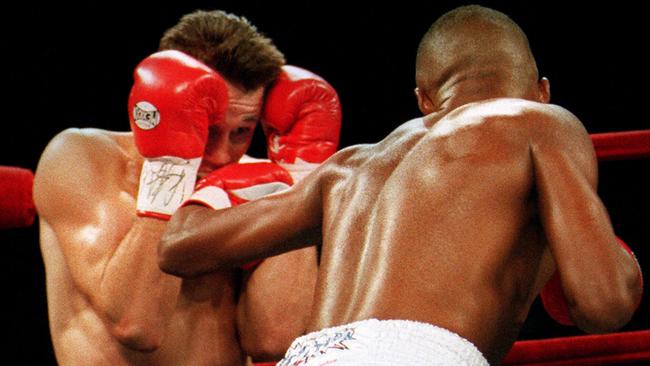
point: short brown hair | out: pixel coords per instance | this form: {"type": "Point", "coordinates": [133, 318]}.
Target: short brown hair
{"type": "Point", "coordinates": [229, 44]}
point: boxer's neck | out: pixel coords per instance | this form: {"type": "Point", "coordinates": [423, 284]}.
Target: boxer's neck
{"type": "Point", "coordinates": [132, 163]}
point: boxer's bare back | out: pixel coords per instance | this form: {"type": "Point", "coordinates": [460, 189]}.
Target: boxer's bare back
{"type": "Point", "coordinates": [439, 225]}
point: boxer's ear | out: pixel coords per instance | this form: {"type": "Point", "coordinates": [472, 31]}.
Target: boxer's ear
{"type": "Point", "coordinates": [544, 87]}
{"type": "Point", "coordinates": [424, 103]}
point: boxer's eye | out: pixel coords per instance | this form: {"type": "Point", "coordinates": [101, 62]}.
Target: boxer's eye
{"type": "Point", "coordinates": [242, 131]}
{"type": "Point", "coordinates": [240, 134]}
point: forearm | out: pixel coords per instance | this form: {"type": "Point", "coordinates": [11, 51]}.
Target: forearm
{"type": "Point", "coordinates": [276, 302]}
{"type": "Point", "coordinates": [137, 299]}
{"type": "Point", "coordinates": [201, 240]}
{"type": "Point", "coordinates": [600, 280]}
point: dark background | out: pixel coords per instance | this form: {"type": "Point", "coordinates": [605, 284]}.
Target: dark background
{"type": "Point", "coordinates": [70, 66]}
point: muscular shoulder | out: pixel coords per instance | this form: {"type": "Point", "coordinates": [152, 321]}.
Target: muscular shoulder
{"type": "Point", "coordinates": [548, 131]}
{"type": "Point", "coordinates": [554, 125]}
{"type": "Point", "coordinates": [75, 145]}
{"type": "Point", "coordinates": [536, 122]}
{"type": "Point", "coordinates": [85, 140]}
{"type": "Point", "coordinates": [520, 114]}
{"type": "Point", "coordinates": [74, 161]}
{"type": "Point", "coordinates": [560, 137]}
{"type": "Point", "coordinates": [356, 155]}
{"type": "Point", "coordinates": [78, 150]}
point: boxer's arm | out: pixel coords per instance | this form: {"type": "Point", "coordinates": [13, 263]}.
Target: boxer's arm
{"type": "Point", "coordinates": [275, 303]}
{"type": "Point", "coordinates": [200, 240]}
{"type": "Point", "coordinates": [113, 266]}
{"type": "Point", "coordinates": [599, 278]}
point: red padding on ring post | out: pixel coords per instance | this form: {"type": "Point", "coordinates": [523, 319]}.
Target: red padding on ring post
{"type": "Point", "coordinates": [622, 145]}
{"type": "Point", "coordinates": [16, 203]}
{"type": "Point", "coordinates": [601, 349]}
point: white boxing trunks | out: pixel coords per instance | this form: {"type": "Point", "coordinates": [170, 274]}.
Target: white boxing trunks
{"type": "Point", "coordinates": [383, 342]}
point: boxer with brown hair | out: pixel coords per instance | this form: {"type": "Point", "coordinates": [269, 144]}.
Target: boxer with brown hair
{"type": "Point", "coordinates": [104, 199]}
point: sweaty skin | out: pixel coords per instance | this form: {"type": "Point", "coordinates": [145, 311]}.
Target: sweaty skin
{"type": "Point", "coordinates": [446, 218]}
{"type": "Point", "coordinates": [456, 219]}
{"type": "Point", "coordinates": [447, 222]}
{"type": "Point", "coordinates": [108, 301]}
{"type": "Point", "coordinates": [89, 230]}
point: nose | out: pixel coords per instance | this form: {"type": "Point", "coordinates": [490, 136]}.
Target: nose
{"type": "Point", "coordinates": [217, 154]}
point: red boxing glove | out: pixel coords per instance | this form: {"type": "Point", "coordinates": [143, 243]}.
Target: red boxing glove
{"type": "Point", "coordinates": [301, 120]}
{"type": "Point", "coordinates": [16, 202]}
{"type": "Point", "coordinates": [552, 294]}
{"type": "Point", "coordinates": [238, 183]}
{"type": "Point", "coordinates": [174, 100]}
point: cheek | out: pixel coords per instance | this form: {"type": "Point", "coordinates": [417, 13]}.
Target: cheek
{"type": "Point", "coordinates": [237, 151]}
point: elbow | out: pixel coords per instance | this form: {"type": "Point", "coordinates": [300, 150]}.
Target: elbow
{"type": "Point", "coordinates": [268, 345]}
{"type": "Point", "coordinates": [604, 313]}
{"type": "Point", "coordinates": [608, 303]}
{"type": "Point", "coordinates": [267, 338]}
{"type": "Point", "coordinates": [137, 337]}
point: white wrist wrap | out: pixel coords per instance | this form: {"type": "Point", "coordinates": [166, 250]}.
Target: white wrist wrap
{"type": "Point", "coordinates": [165, 183]}
{"type": "Point", "coordinates": [211, 196]}
{"type": "Point", "coordinates": [216, 198]}
{"type": "Point", "coordinates": [260, 190]}
{"type": "Point", "coordinates": [300, 169]}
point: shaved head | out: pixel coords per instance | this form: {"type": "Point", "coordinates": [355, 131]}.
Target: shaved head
{"type": "Point", "coordinates": [477, 45]}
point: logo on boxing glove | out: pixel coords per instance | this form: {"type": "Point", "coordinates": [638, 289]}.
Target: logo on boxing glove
{"type": "Point", "coordinates": [146, 115]}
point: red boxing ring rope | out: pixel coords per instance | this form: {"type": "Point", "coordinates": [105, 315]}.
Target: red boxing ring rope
{"type": "Point", "coordinates": [622, 145]}
{"type": "Point", "coordinates": [601, 349]}
{"type": "Point", "coordinates": [16, 204]}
